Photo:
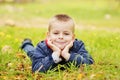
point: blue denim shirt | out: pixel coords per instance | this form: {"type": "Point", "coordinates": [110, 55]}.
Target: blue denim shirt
{"type": "Point", "coordinates": [42, 60]}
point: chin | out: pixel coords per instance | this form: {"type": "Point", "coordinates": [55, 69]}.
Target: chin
{"type": "Point", "coordinates": [61, 48]}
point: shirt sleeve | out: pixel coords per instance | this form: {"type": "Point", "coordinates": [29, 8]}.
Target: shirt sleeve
{"type": "Point", "coordinates": [41, 61]}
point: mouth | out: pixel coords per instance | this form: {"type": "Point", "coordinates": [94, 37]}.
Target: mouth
{"type": "Point", "coordinates": [60, 42]}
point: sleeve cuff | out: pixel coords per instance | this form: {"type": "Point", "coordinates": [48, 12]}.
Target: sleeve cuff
{"type": "Point", "coordinates": [56, 58]}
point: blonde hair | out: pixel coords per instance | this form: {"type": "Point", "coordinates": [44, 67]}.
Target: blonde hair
{"type": "Point", "coordinates": [61, 18]}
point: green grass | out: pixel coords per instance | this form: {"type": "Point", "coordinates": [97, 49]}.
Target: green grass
{"type": "Point", "coordinates": [84, 12]}
{"type": "Point", "coordinates": [103, 46]}
{"type": "Point", "coordinates": [102, 42]}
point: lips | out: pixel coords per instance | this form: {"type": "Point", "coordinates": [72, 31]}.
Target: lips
{"type": "Point", "coordinates": [60, 42]}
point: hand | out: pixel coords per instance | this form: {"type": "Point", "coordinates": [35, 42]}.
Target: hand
{"type": "Point", "coordinates": [66, 49]}
{"type": "Point", "coordinates": [56, 51]}
{"type": "Point", "coordinates": [65, 52]}
{"type": "Point", "coordinates": [52, 46]}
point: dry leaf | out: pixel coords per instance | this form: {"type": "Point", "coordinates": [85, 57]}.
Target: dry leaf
{"type": "Point", "coordinates": [80, 76]}
{"type": "Point", "coordinates": [20, 55]}
{"type": "Point", "coordinates": [6, 49]}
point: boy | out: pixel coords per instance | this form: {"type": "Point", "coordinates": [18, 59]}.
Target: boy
{"type": "Point", "coordinates": [60, 47]}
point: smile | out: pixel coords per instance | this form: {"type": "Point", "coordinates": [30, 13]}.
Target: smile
{"type": "Point", "coordinates": [60, 42]}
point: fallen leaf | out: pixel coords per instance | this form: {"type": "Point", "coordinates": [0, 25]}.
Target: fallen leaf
{"type": "Point", "coordinates": [9, 64]}
{"type": "Point", "coordinates": [20, 67]}
{"type": "Point", "coordinates": [20, 55]}
{"type": "Point", "coordinates": [92, 76]}
{"type": "Point", "coordinates": [80, 76]}
{"type": "Point", "coordinates": [6, 49]}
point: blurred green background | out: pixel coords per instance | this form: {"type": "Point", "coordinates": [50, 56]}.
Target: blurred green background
{"type": "Point", "coordinates": [35, 13]}
{"type": "Point", "coordinates": [97, 24]}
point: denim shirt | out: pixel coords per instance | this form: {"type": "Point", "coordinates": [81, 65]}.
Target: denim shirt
{"type": "Point", "coordinates": [42, 60]}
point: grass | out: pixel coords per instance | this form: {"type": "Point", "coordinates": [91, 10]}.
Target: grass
{"type": "Point", "coordinates": [102, 45]}
{"type": "Point", "coordinates": [102, 42]}
{"type": "Point", "coordinates": [84, 12]}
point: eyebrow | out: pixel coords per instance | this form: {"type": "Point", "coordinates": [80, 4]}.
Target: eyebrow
{"type": "Point", "coordinates": [66, 31]}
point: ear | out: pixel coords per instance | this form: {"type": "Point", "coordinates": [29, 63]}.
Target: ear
{"type": "Point", "coordinates": [47, 34]}
{"type": "Point", "coordinates": [73, 36]}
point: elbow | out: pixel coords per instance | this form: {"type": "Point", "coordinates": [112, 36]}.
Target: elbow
{"type": "Point", "coordinates": [88, 61]}
{"type": "Point", "coordinates": [38, 69]}
{"type": "Point", "coordinates": [91, 61]}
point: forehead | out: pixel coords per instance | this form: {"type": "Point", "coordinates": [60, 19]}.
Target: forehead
{"type": "Point", "coordinates": [58, 25]}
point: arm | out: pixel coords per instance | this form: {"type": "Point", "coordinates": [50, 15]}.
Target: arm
{"type": "Point", "coordinates": [80, 56]}
{"type": "Point", "coordinates": [42, 61]}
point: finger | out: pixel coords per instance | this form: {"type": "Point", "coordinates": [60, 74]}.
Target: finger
{"type": "Point", "coordinates": [49, 42]}
{"type": "Point", "coordinates": [70, 44]}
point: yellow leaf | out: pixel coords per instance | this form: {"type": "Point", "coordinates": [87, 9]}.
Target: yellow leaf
{"type": "Point", "coordinates": [20, 55]}
{"type": "Point", "coordinates": [92, 76]}
{"type": "Point", "coordinates": [6, 49]}
{"type": "Point", "coordinates": [80, 76]}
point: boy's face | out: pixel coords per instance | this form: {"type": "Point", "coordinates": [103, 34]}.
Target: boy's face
{"type": "Point", "coordinates": [61, 34]}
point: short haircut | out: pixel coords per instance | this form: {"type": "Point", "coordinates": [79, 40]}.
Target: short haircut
{"type": "Point", "coordinates": [60, 18]}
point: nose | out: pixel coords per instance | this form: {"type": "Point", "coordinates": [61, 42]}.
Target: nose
{"type": "Point", "coordinates": [61, 36]}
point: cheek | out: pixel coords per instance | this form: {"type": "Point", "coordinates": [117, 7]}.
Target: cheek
{"type": "Point", "coordinates": [51, 36]}
{"type": "Point", "coordinates": [69, 38]}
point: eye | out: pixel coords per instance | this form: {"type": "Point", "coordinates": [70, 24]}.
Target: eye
{"type": "Point", "coordinates": [55, 33]}
{"type": "Point", "coordinates": [66, 33]}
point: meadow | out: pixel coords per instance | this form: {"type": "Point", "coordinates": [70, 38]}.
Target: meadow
{"type": "Point", "coordinates": [97, 24]}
